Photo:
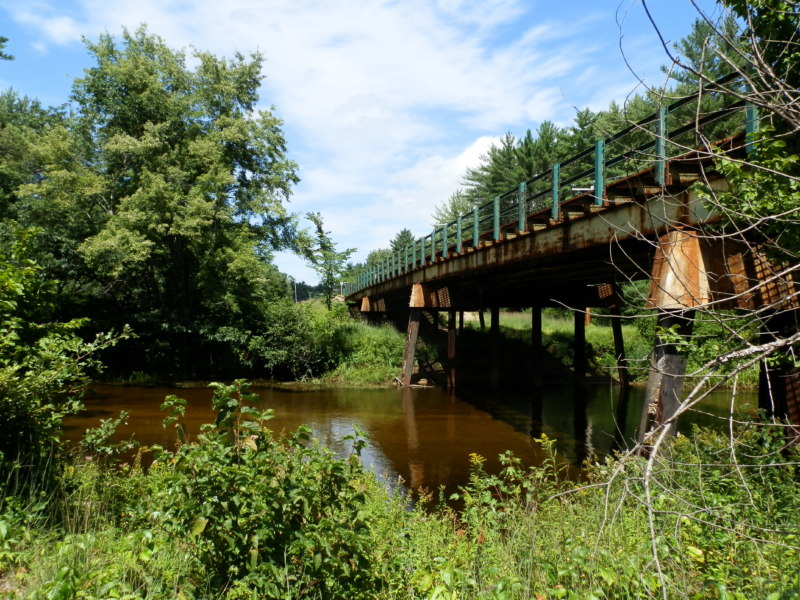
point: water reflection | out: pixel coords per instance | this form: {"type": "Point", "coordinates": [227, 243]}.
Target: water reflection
{"type": "Point", "coordinates": [422, 437]}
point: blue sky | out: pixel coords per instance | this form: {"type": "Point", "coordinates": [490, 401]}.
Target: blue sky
{"type": "Point", "coordinates": [385, 103]}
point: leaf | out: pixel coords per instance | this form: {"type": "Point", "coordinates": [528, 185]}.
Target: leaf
{"type": "Point", "coordinates": [695, 553]}
{"type": "Point", "coordinates": [198, 526]}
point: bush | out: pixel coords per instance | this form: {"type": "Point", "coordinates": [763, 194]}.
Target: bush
{"type": "Point", "coordinates": [268, 517]}
{"type": "Point", "coordinates": [365, 354]}
{"type": "Point", "coordinates": [44, 367]}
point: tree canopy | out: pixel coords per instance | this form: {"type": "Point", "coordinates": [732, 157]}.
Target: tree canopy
{"type": "Point", "coordinates": [161, 198]}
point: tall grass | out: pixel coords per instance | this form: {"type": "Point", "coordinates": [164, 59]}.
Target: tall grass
{"type": "Point", "coordinates": [638, 334]}
{"type": "Point", "coordinates": [366, 354]}
{"type": "Point", "coordinates": [722, 525]}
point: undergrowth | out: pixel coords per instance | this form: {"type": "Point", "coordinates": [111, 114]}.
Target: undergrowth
{"type": "Point", "coordinates": [242, 513]}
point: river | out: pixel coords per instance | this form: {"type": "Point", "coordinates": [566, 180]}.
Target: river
{"type": "Point", "coordinates": [420, 437]}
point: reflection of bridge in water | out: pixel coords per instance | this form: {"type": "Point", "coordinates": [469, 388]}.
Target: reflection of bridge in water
{"type": "Point", "coordinates": [626, 209]}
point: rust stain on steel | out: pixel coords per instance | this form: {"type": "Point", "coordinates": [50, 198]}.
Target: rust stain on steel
{"type": "Point", "coordinates": [600, 230]}
{"type": "Point", "coordinates": [679, 278]}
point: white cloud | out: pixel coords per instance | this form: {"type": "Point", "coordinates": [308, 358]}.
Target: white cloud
{"type": "Point", "coordinates": [385, 103]}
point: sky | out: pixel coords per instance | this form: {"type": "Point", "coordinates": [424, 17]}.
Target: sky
{"type": "Point", "coordinates": [385, 103]}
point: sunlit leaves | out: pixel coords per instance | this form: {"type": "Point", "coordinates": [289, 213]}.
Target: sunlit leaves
{"type": "Point", "coordinates": [161, 199]}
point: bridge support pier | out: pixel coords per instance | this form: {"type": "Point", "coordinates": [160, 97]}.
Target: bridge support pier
{"type": "Point", "coordinates": [678, 283]}
{"type": "Point", "coordinates": [412, 333]}
{"type": "Point", "coordinates": [495, 343]}
{"type": "Point", "coordinates": [667, 369]}
{"type": "Point", "coordinates": [537, 349]}
{"type": "Point", "coordinates": [451, 350]}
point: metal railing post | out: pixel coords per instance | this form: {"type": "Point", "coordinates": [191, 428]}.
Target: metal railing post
{"type": "Point", "coordinates": [458, 234]}
{"type": "Point", "coordinates": [750, 125]}
{"type": "Point", "coordinates": [522, 225]}
{"type": "Point", "coordinates": [661, 146]}
{"type": "Point", "coordinates": [496, 219]}
{"type": "Point", "coordinates": [476, 232]}
{"type": "Point", "coordinates": [599, 171]}
{"type": "Point", "coordinates": [555, 209]}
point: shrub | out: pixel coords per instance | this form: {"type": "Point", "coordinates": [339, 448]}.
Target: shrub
{"type": "Point", "coordinates": [366, 354]}
{"type": "Point", "coordinates": [268, 517]}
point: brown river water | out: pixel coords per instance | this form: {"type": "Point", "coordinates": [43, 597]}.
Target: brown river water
{"type": "Point", "coordinates": [418, 437]}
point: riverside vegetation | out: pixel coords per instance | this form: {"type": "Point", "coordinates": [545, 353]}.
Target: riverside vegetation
{"type": "Point", "coordinates": [162, 207]}
{"type": "Point", "coordinates": [239, 512]}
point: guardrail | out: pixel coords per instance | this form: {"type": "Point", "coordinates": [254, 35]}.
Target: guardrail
{"type": "Point", "coordinates": [644, 145]}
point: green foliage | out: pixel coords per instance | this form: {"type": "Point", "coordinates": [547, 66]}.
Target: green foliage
{"type": "Point", "coordinates": [243, 513]}
{"type": "Point", "coordinates": [705, 52]}
{"type": "Point", "coordinates": [163, 204]}
{"type": "Point", "coordinates": [763, 197]}
{"type": "Point", "coordinates": [44, 366]}
{"type": "Point", "coordinates": [772, 25]}
{"type": "Point", "coordinates": [264, 516]}
{"type": "Point", "coordinates": [457, 205]}
{"type": "Point", "coordinates": [326, 260]}
{"type": "Point", "coordinates": [403, 238]}
{"type": "Point", "coordinates": [22, 120]}
{"type": "Point", "coordinates": [365, 354]}
{"type": "Point", "coordinates": [3, 55]}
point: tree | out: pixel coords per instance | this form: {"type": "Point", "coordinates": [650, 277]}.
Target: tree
{"type": "Point", "coordinates": [401, 240]}
{"type": "Point", "coordinates": [758, 41]}
{"type": "Point", "coordinates": [326, 260]}
{"type": "Point", "coordinates": [162, 198]}
{"type": "Point", "coordinates": [3, 55]}
{"type": "Point", "coordinates": [699, 50]}
{"type": "Point", "coordinates": [456, 205]}
{"type": "Point", "coordinates": [498, 172]}
{"type": "Point", "coordinates": [22, 121]}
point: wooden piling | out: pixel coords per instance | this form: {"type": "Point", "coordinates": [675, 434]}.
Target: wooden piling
{"type": "Point", "coordinates": [619, 347]}
{"type": "Point", "coordinates": [412, 333]}
{"type": "Point", "coordinates": [537, 348]}
{"type": "Point", "coordinates": [667, 370]}
{"type": "Point", "coordinates": [495, 343]}
{"type": "Point", "coordinates": [579, 345]}
{"type": "Point", "coordinates": [779, 381]}
{"type": "Point", "coordinates": [451, 350]}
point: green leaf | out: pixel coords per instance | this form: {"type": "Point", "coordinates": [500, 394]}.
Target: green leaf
{"type": "Point", "coordinates": [197, 526]}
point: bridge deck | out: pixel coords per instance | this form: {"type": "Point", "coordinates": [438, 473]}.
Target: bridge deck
{"type": "Point", "coordinates": [555, 260]}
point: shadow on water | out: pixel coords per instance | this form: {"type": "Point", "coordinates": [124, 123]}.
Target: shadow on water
{"type": "Point", "coordinates": [422, 438]}
{"type": "Point", "coordinates": [592, 419]}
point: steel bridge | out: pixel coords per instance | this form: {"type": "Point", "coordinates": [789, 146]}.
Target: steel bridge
{"type": "Point", "coordinates": [634, 206]}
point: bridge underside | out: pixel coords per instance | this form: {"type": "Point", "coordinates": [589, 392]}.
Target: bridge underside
{"type": "Point", "coordinates": [642, 231]}
{"type": "Point", "coordinates": [572, 262]}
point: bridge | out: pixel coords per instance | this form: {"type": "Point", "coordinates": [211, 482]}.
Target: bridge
{"type": "Point", "coordinates": [625, 209]}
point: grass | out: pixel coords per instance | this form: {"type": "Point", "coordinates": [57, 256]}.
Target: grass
{"type": "Point", "coordinates": [368, 355]}
{"type": "Point", "coordinates": [723, 520]}
{"type": "Point", "coordinates": [708, 342]}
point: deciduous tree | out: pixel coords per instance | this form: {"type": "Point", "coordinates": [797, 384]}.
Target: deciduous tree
{"type": "Point", "coordinates": [164, 195]}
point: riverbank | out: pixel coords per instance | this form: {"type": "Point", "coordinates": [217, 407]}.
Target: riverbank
{"type": "Point", "coordinates": [241, 513]}
{"type": "Point", "coordinates": [331, 349]}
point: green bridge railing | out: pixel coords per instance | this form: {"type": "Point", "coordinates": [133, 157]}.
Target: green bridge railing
{"type": "Point", "coordinates": [644, 145]}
